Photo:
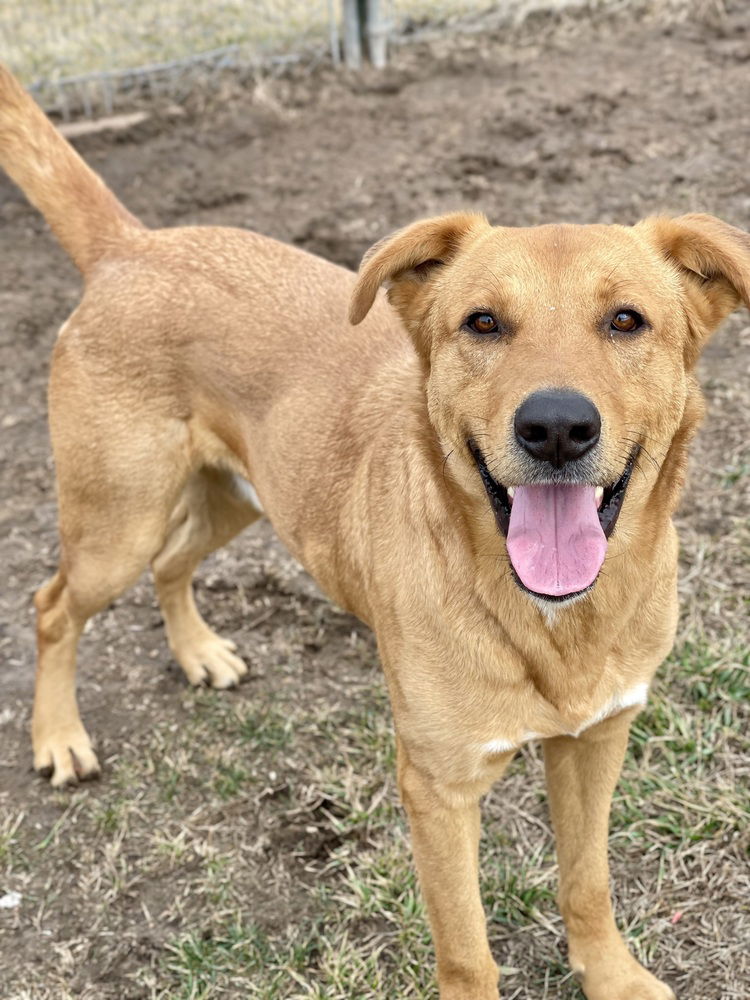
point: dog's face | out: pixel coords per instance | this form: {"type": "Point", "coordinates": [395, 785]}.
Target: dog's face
{"type": "Point", "coordinates": [558, 361]}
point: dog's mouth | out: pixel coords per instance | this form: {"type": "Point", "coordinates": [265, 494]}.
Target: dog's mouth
{"type": "Point", "coordinates": [556, 533]}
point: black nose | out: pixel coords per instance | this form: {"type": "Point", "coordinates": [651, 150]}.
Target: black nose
{"type": "Point", "coordinates": [557, 426]}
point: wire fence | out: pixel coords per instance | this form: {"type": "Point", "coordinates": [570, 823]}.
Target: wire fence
{"type": "Point", "coordinates": [89, 56]}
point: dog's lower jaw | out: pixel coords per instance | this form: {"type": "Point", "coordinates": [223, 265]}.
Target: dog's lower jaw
{"type": "Point", "coordinates": [548, 605]}
{"type": "Point", "coordinates": [552, 611]}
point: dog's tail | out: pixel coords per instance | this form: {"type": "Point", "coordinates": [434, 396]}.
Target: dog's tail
{"type": "Point", "coordinates": [83, 213]}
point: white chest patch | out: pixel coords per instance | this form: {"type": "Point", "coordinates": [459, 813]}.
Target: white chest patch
{"type": "Point", "coordinates": [246, 491]}
{"type": "Point", "coordinates": [636, 695]}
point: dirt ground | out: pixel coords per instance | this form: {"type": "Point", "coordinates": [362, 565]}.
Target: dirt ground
{"type": "Point", "coordinates": [250, 843]}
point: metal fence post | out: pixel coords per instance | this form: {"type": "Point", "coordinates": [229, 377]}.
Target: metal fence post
{"type": "Point", "coordinates": [377, 34]}
{"type": "Point", "coordinates": [333, 33]}
{"type": "Point", "coordinates": [352, 34]}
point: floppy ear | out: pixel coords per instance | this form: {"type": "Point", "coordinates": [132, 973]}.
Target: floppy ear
{"type": "Point", "coordinates": [407, 259]}
{"type": "Point", "coordinates": [714, 260]}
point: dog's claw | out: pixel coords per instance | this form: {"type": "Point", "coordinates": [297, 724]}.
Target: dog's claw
{"type": "Point", "coordinates": [210, 662]}
{"type": "Point", "coordinates": [85, 773]}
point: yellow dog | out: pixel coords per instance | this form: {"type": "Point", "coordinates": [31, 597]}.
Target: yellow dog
{"type": "Point", "coordinates": [463, 471]}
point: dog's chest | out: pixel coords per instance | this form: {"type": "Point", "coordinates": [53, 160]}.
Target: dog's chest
{"type": "Point", "coordinates": [540, 722]}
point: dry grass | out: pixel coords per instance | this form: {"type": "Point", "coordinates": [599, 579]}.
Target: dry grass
{"type": "Point", "coordinates": [48, 39]}
{"type": "Point", "coordinates": [317, 787]}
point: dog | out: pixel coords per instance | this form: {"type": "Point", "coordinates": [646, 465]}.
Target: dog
{"type": "Point", "coordinates": [459, 463]}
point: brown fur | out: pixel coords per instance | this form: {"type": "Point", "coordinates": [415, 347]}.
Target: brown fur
{"type": "Point", "coordinates": [197, 355]}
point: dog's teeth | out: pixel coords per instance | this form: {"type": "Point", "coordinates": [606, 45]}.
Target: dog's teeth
{"type": "Point", "coordinates": [599, 494]}
{"type": "Point", "coordinates": [511, 493]}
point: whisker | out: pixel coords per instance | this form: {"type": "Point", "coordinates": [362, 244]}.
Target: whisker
{"type": "Point", "coordinates": [639, 442]}
{"type": "Point", "coordinates": [646, 453]}
{"type": "Point", "coordinates": [445, 461]}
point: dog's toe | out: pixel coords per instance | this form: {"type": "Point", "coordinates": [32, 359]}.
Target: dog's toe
{"type": "Point", "coordinates": [225, 669]}
{"type": "Point", "coordinates": [212, 662]}
{"type": "Point", "coordinates": [624, 982]}
{"type": "Point", "coordinates": [65, 758]}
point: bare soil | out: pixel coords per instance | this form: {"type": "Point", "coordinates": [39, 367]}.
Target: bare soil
{"type": "Point", "coordinates": [571, 121]}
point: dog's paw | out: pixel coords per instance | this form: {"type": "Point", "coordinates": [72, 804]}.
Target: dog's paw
{"type": "Point", "coordinates": [65, 756]}
{"type": "Point", "coordinates": [211, 661]}
{"type": "Point", "coordinates": [622, 980]}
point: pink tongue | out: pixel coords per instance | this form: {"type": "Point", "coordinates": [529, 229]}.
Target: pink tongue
{"type": "Point", "coordinates": [555, 541]}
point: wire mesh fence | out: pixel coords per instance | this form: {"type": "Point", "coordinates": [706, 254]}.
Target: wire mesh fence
{"type": "Point", "coordinates": [87, 56]}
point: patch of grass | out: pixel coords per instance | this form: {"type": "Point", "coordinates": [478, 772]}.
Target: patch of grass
{"type": "Point", "coordinates": [264, 727]}
{"type": "Point", "coordinates": [202, 960]}
{"type": "Point", "coordinates": [217, 827]}
{"type": "Point", "coordinates": [171, 780]}
{"type": "Point", "coordinates": [515, 895]}
{"type": "Point", "coordinates": [112, 816]}
{"type": "Point", "coordinates": [673, 792]}
{"type": "Point", "coordinates": [369, 937]}
{"type": "Point", "coordinates": [370, 940]}
{"type": "Point", "coordinates": [733, 474]}
{"type": "Point", "coordinates": [52, 38]}
{"type": "Point", "coordinates": [12, 855]}
{"type": "Point", "coordinates": [231, 780]}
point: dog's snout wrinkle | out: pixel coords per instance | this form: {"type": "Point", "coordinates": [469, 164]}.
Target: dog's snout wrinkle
{"type": "Point", "coordinates": [557, 426]}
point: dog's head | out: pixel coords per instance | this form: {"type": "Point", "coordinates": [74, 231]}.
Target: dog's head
{"type": "Point", "coordinates": [558, 360]}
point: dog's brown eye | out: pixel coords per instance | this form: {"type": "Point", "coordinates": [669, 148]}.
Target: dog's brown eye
{"type": "Point", "coordinates": [626, 321]}
{"type": "Point", "coordinates": [482, 323]}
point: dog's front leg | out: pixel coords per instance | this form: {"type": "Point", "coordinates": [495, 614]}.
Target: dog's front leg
{"type": "Point", "coordinates": [444, 822]}
{"type": "Point", "coordinates": [581, 776]}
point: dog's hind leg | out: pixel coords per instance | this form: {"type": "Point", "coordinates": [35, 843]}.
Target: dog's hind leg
{"type": "Point", "coordinates": [114, 506]}
{"type": "Point", "coordinates": [211, 511]}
